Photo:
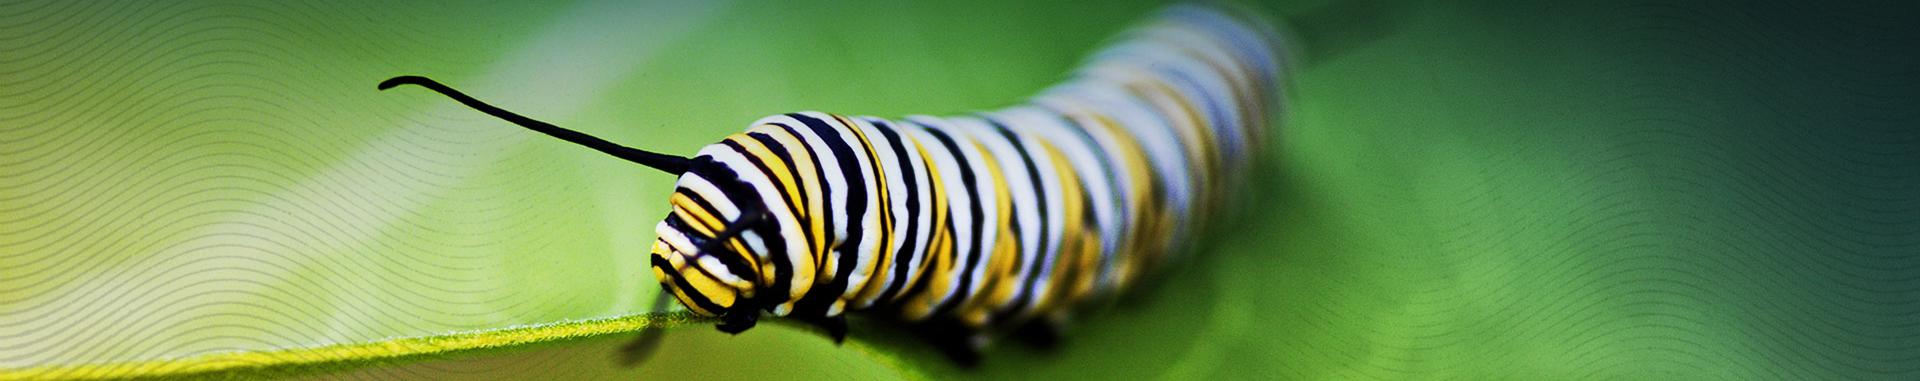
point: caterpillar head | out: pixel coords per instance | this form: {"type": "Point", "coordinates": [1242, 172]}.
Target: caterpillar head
{"type": "Point", "coordinates": [705, 255]}
{"type": "Point", "coordinates": [697, 258]}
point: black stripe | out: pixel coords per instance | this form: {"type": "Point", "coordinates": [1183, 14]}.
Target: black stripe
{"type": "Point", "coordinates": [761, 165]}
{"type": "Point", "coordinates": [1025, 294]}
{"type": "Point", "coordinates": [968, 179]}
{"type": "Point", "coordinates": [1091, 274]}
{"type": "Point", "coordinates": [1113, 175]}
{"type": "Point", "coordinates": [1100, 155]}
{"type": "Point", "coordinates": [846, 251]}
{"type": "Point", "coordinates": [680, 282]}
{"type": "Point", "coordinates": [884, 208]}
{"type": "Point", "coordinates": [825, 193]}
{"type": "Point", "coordinates": [903, 258]}
{"type": "Point", "coordinates": [745, 197]}
{"type": "Point", "coordinates": [806, 197]}
{"type": "Point", "coordinates": [735, 264]}
{"type": "Point", "coordinates": [1157, 194]}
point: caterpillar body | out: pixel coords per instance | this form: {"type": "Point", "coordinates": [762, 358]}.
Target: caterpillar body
{"type": "Point", "coordinates": [984, 222]}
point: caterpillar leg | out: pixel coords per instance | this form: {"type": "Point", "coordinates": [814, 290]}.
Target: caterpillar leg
{"type": "Point", "coordinates": [738, 321]}
{"type": "Point", "coordinates": [960, 343]}
{"type": "Point", "coordinates": [836, 326]}
{"type": "Point", "coordinates": [1040, 333]}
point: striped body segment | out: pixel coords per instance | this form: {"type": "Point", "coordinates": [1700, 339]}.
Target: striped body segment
{"type": "Point", "coordinates": [988, 220]}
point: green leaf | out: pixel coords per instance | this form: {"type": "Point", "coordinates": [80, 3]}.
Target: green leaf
{"type": "Point", "coordinates": [331, 358]}
{"type": "Point", "coordinates": [1489, 191]}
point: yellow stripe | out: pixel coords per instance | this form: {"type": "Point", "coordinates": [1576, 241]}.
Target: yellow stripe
{"type": "Point", "coordinates": [1160, 228]}
{"type": "Point", "coordinates": [678, 264]}
{"type": "Point", "coordinates": [939, 222]}
{"type": "Point", "coordinates": [1200, 142]}
{"type": "Point", "coordinates": [1133, 158]}
{"type": "Point", "coordinates": [782, 174]}
{"type": "Point", "coordinates": [708, 286]}
{"type": "Point", "coordinates": [884, 250]}
{"type": "Point", "coordinates": [1212, 166]}
{"type": "Point", "coordinates": [946, 252]}
{"type": "Point", "coordinates": [708, 225]}
{"type": "Point", "coordinates": [998, 286]}
{"type": "Point", "coordinates": [810, 185]}
{"type": "Point", "coordinates": [941, 258]}
{"type": "Point", "coordinates": [700, 220]}
{"type": "Point", "coordinates": [1072, 236]}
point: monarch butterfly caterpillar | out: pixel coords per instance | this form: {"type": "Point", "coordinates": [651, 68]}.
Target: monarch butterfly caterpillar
{"type": "Point", "coordinates": [984, 222]}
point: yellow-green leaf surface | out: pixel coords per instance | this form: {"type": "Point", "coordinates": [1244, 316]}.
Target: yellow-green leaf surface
{"type": "Point", "coordinates": [286, 362]}
{"type": "Point", "coordinates": [1465, 189]}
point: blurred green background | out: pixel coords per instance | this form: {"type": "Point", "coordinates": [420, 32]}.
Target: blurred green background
{"type": "Point", "coordinates": [1463, 189]}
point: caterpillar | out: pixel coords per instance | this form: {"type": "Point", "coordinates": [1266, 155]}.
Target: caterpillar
{"type": "Point", "coordinates": [978, 223]}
